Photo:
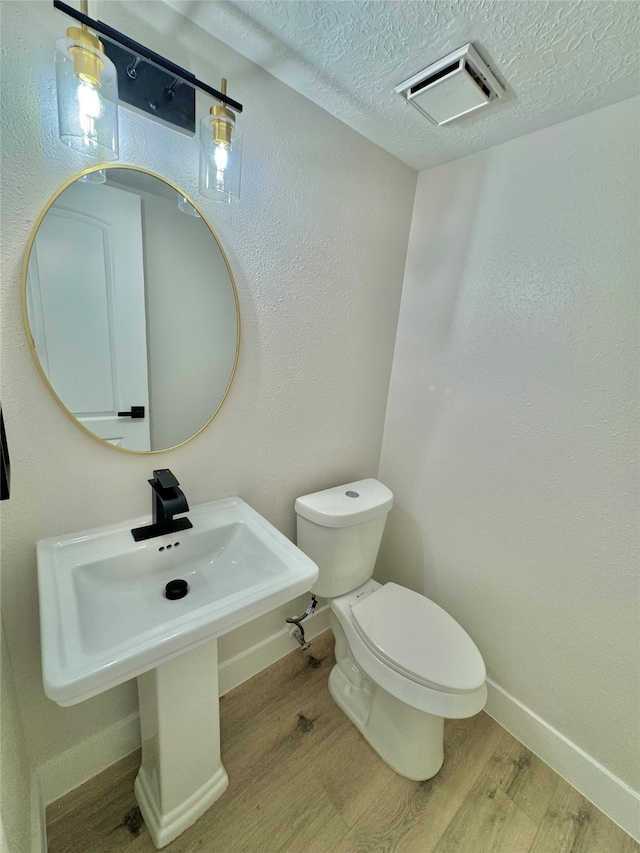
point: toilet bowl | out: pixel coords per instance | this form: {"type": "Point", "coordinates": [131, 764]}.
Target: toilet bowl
{"type": "Point", "coordinates": [393, 695]}
{"type": "Point", "coordinates": [403, 664]}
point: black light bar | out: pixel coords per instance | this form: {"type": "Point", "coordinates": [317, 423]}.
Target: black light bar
{"type": "Point", "coordinates": [138, 49]}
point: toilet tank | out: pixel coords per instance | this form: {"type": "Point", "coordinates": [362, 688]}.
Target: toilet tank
{"type": "Point", "coordinates": [340, 529]}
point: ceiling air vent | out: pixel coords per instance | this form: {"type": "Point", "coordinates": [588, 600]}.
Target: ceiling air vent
{"type": "Point", "coordinates": [454, 86]}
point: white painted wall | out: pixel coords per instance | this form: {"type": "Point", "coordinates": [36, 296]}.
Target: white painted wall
{"type": "Point", "coordinates": [317, 246]}
{"type": "Point", "coordinates": [15, 772]}
{"type": "Point", "coordinates": [200, 345]}
{"type": "Point", "coordinates": [511, 432]}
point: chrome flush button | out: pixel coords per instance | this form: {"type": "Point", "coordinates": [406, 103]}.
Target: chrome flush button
{"type": "Point", "coordinates": [351, 494]}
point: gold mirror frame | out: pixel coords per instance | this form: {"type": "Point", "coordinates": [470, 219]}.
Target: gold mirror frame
{"type": "Point", "coordinates": [25, 317]}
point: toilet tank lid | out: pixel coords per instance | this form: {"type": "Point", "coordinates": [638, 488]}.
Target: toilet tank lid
{"type": "Point", "coordinates": [343, 506]}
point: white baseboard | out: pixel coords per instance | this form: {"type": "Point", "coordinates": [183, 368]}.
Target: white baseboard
{"type": "Point", "coordinates": [77, 765]}
{"type": "Point", "coordinates": [38, 822]}
{"type": "Point", "coordinates": [610, 794]}
{"type": "Point", "coordinates": [72, 768]}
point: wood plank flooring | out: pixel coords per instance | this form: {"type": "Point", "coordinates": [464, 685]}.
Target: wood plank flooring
{"type": "Point", "coordinates": [303, 780]}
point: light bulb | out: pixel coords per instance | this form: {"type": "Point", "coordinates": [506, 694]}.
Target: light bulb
{"type": "Point", "coordinates": [90, 105]}
{"type": "Point", "coordinates": [221, 158]}
{"type": "Point", "coordinates": [89, 100]}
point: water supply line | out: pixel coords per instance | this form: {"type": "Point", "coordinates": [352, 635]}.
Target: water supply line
{"type": "Point", "coordinates": [298, 631]}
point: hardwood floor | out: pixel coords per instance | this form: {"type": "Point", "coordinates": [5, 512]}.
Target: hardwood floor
{"type": "Point", "coordinates": [303, 780]}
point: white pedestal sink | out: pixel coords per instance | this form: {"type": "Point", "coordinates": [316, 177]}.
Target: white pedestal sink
{"type": "Point", "coordinates": [104, 618]}
{"type": "Point", "coordinates": [181, 773]}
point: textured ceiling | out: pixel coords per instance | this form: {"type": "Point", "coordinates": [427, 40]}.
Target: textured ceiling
{"type": "Point", "coordinates": [557, 60]}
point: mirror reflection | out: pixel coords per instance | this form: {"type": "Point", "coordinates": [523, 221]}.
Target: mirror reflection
{"type": "Point", "coordinates": [132, 309]}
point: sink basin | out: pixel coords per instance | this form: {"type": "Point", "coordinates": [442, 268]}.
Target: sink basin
{"type": "Point", "coordinates": [104, 615]}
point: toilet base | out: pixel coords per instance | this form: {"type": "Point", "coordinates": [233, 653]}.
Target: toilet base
{"type": "Point", "coordinates": [411, 742]}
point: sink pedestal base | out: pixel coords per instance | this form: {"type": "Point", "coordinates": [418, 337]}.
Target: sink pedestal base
{"type": "Point", "coordinates": [181, 773]}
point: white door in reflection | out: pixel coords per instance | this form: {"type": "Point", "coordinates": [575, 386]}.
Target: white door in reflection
{"type": "Point", "coordinates": [86, 309]}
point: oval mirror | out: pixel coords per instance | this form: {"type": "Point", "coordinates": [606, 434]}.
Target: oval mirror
{"type": "Point", "coordinates": [131, 308]}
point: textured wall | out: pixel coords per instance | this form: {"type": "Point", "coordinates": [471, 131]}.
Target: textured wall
{"type": "Point", "coordinates": [317, 246]}
{"type": "Point", "coordinates": [511, 434]}
{"type": "Point", "coordinates": [15, 774]}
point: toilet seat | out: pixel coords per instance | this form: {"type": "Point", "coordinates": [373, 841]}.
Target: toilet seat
{"type": "Point", "coordinates": [453, 706]}
{"type": "Point", "coordinates": [418, 639]}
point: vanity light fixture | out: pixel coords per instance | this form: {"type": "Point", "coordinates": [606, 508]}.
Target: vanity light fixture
{"type": "Point", "coordinates": [87, 88]}
{"type": "Point", "coordinates": [220, 153]}
{"type": "Point", "coordinates": [91, 76]}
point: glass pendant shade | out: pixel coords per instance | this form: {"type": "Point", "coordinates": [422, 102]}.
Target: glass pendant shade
{"type": "Point", "coordinates": [87, 86]}
{"type": "Point", "coordinates": [185, 206]}
{"type": "Point", "coordinates": [220, 156]}
{"type": "Point", "coordinates": [99, 176]}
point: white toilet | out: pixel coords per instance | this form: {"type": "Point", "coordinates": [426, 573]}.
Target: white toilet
{"type": "Point", "coordinates": [402, 663]}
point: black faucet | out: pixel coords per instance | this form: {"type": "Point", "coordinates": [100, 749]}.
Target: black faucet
{"type": "Point", "coordinates": [168, 500]}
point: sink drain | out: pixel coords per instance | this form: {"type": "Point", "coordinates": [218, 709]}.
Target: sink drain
{"type": "Point", "coordinates": [176, 589]}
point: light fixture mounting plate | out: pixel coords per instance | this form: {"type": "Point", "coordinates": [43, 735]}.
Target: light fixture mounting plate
{"type": "Point", "coordinates": [153, 90]}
